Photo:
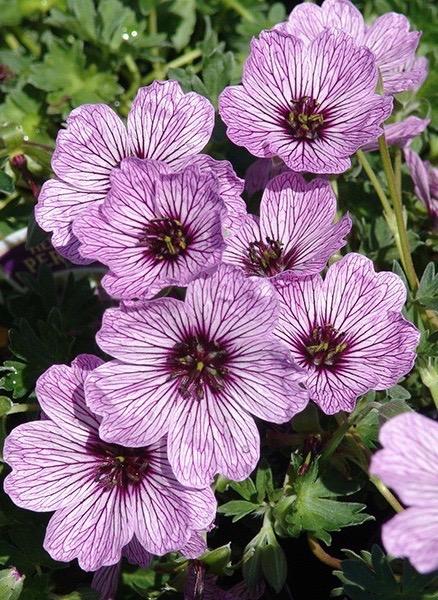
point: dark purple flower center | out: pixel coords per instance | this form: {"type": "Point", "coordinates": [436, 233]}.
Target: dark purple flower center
{"type": "Point", "coordinates": [304, 119]}
{"type": "Point", "coordinates": [165, 238]}
{"type": "Point", "coordinates": [120, 467]}
{"type": "Point", "coordinates": [267, 258]}
{"type": "Point", "coordinates": [325, 346]}
{"type": "Point", "coordinates": [198, 364]}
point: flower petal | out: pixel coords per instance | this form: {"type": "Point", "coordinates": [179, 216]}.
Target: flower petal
{"type": "Point", "coordinates": [273, 76]}
{"type": "Point", "coordinates": [51, 468]}
{"type": "Point", "coordinates": [409, 459]}
{"type": "Point", "coordinates": [60, 393]}
{"type": "Point", "coordinates": [394, 46]}
{"type": "Point", "coordinates": [301, 215]}
{"type": "Point", "coordinates": [106, 581]}
{"type": "Point", "coordinates": [413, 534]}
{"type": "Point", "coordinates": [94, 142]}
{"type": "Point", "coordinates": [136, 402]}
{"type": "Point", "coordinates": [228, 306]}
{"type": "Point", "coordinates": [400, 132]}
{"type": "Point", "coordinates": [209, 436]}
{"type": "Point", "coordinates": [307, 20]}
{"type": "Point", "coordinates": [167, 513]}
{"type": "Point", "coordinates": [166, 124]}
{"type": "Point", "coordinates": [94, 530]}
{"type": "Point", "coordinates": [265, 382]}
{"type": "Point", "coordinates": [142, 332]}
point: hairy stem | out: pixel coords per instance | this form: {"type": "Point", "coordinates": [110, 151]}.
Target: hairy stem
{"type": "Point", "coordinates": [405, 249]}
{"type": "Point", "coordinates": [389, 496]}
{"type": "Point", "coordinates": [361, 156]}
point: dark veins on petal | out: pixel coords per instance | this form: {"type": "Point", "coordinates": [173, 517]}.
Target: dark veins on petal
{"type": "Point", "coordinates": [325, 346]}
{"type": "Point", "coordinates": [119, 466]}
{"type": "Point", "coordinates": [304, 120]}
{"type": "Point", "coordinates": [198, 363]}
{"type": "Point", "coordinates": [165, 238]}
{"type": "Point", "coordinates": [267, 258]}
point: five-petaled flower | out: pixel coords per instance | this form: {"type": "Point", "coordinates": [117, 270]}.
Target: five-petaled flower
{"type": "Point", "coordinates": [389, 38]}
{"type": "Point", "coordinates": [154, 229]}
{"type": "Point", "coordinates": [164, 124]}
{"type": "Point", "coordinates": [105, 495]}
{"type": "Point", "coordinates": [295, 233]}
{"type": "Point", "coordinates": [196, 371]}
{"type": "Point", "coordinates": [408, 463]}
{"type": "Point", "coordinates": [347, 331]}
{"type": "Point", "coordinates": [312, 106]}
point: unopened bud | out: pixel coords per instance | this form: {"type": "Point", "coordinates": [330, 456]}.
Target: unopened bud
{"type": "Point", "coordinates": [11, 584]}
{"type": "Point", "coordinates": [19, 162]}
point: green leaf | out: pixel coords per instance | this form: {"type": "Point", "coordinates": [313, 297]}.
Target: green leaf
{"type": "Point", "coordinates": [69, 81]}
{"type": "Point", "coordinates": [7, 185]}
{"type": "Point", "coordinates": [216, 73]}
{"type": "Point", "coordinates": [186, 10]}
{"type": "Point", "coordinates": [316, 508]}
{"type": "Point", "coordinates": [13, 379]}
{"type": "Point", "coordinates": [117, 20]}
{"type": "Point", "coordinates": [427, 294]}
{"type": "Point", "coordinates": [40, 347]}
{"type": "Point", "coordinates": [85, 13]}
{"type": "Point", "coordinates": [245, 488]}
{"type": "Point", "coordinates": [370, 576]}
{"type": "Point", "coordinates": [237, 509]}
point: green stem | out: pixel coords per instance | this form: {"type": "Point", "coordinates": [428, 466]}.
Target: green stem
{"type": "Point", "coordinates": [239, 9]}
{"type": "Point", "coordinates": [158, 72]}
{"type": "Point", "coordinates": [397, 170]}
{"type": "Point", "coordinates": [20, 408]}
{"type": "Point", "coordinates": [389, 497]}
{"type": "Point", "coordinates": [180, 61]}
{"type": "Point", "coordinates": [406, 257]}
{"type": "Point", "coordinates": [361, 156]}
{"type": "Point", "coordinates": [185, 59]}
{"type": "Point", "coordinates": [335, 440]}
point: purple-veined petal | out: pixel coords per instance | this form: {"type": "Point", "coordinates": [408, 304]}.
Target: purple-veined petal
{"type": "Point", "coordinates": [213, 435]}
{"type": "Point", "coordinates": [61, 396]}
{"type": "Point", "coordinates": [409, 458]}
{"type": "Point", "coordinates": [93, 144]}
{"type": "Point", "coordinates": [166, 124]}
{"type": "Point", "coordinates": [51, 468]}
{"type": "Point", "coordinates": [94, 530]}
{"type": "Point", "coordinates": [413, 534]}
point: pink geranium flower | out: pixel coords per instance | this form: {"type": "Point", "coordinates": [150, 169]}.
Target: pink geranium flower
{"type": "Point", "coordinates": [389, 38]}
{"type": "Point", "coordinates": [196, 371]}
{"type": "Point", "coordinates": [295, 234]}
{"type": "Point", "coordinates": [408, 463]}
{"type": "Point", "coordinates": [310, 105]}
{"type": "Point", "coordinates": [347, 331]}
{"type": "Point", "coordinates": [105, 496]}
{"type": "Point", "coordinates": [164, 124]}
{"type": "Point", "coordinates": [154, 229]}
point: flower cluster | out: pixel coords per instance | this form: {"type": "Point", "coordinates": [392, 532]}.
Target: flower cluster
{"type": "Point", "coordinates": [128, 449]}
